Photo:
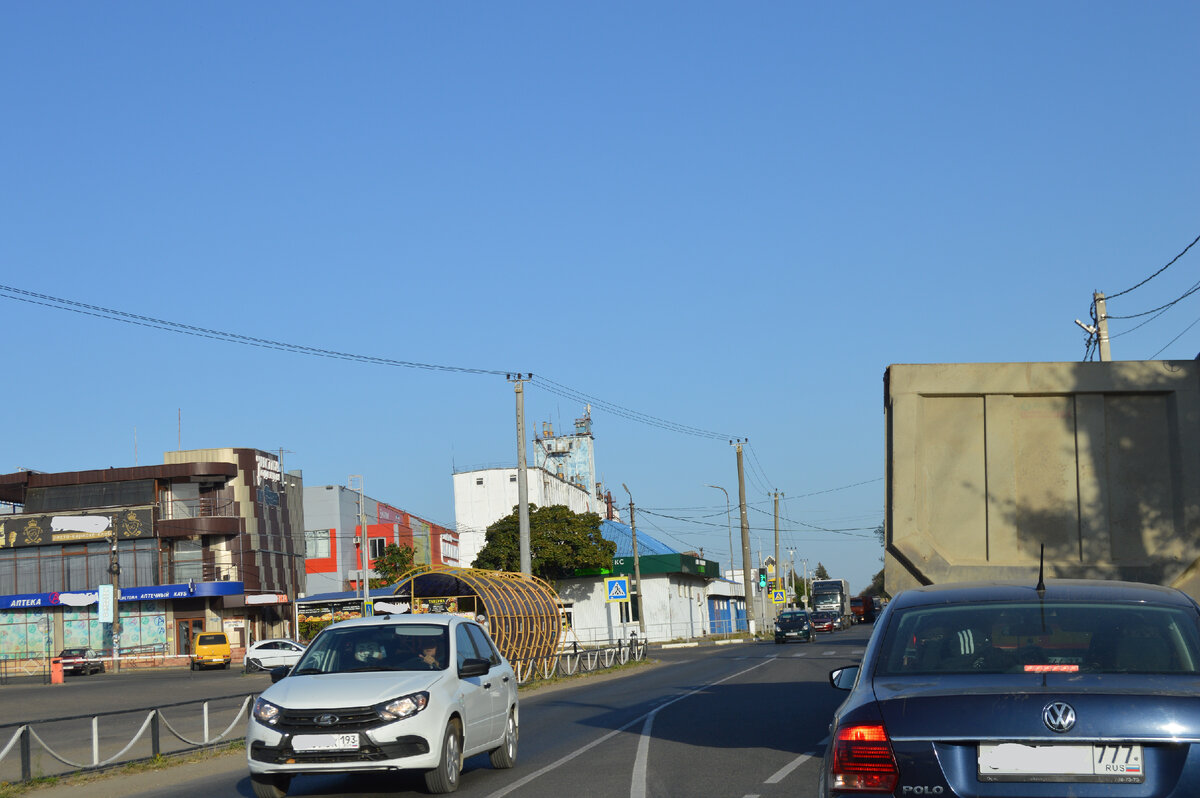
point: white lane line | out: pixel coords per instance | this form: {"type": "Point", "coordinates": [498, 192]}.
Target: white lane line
{"type": "Point", "coordinates": [519, 783]}
{"type": "Point", "coordinates": [637, 787]}
{"type": "Point", "coordinates": [782, 773]}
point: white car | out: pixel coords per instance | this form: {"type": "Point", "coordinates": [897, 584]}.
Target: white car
{"type": "Point", "coordinates": [400, 692]}
{"type": "Point", "coordinates": [268, 654]}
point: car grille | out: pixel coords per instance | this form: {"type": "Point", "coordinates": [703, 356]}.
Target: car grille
{"type": "Point", "coordinates": [294, 721]}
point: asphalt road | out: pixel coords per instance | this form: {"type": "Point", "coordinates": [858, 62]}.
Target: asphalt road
{"type": "Point", "coordinates": [738, 720]}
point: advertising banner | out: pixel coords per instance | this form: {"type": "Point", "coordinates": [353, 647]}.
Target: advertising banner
{"type": "Point", "coordinates": [129, 523]}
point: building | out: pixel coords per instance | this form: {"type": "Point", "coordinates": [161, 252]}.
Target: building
{"type": "Point", "coordinates": [333, 517]}
{"type": "Point", "coordinates": [675, 594]}
{"type": "Point", "coordinates": [210, 540]}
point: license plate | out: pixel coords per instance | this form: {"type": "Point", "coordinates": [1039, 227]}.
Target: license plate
{"type": "Point", "coordinates": [1061, 763]}
{"type": "Point", "coordinates": [325, 742]}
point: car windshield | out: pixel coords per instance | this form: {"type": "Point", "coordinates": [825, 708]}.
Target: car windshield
{"type": "Point", "coordinates": [407, 647]}
{"type": "Point", "coordinates": [72, 652]}
{"type": "Point", "coordinates": [1034, 637]}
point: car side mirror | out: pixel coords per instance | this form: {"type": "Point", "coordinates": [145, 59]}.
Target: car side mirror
{"type": "Point", "coordinates": [843, 678]}
{"type": "Point", "coordinates": [280, 672]}
{"type": "Point", "coordinates": [474, 667]}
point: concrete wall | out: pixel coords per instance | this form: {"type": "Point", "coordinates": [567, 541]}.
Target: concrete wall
{"type": "Point", "coordinates": [1100, 462]}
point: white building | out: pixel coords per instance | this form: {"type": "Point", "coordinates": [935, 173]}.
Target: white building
{"type": "Point", "coordinates": [484, 496]}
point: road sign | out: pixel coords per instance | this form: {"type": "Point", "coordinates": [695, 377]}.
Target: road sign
{"type": "Point", "coordinates": [617, 589]}
{"type": "Point", "coordinates": [779, 597]}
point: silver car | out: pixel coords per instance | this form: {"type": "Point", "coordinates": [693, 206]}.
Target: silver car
{"type": "Point", "coordinates": [399, 692]}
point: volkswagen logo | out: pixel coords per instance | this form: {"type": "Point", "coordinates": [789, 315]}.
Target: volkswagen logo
{"type": "Point", "coordinates": [1059, 716]}
{"type": "Point", "coordinates": [329, 720]}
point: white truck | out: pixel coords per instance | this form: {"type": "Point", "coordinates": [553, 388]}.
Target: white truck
{"type": "Point", "coordinates": [833, 595]}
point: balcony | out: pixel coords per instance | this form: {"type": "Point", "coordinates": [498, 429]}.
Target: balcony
{"type": "Point", "coordinates": [187, 517]}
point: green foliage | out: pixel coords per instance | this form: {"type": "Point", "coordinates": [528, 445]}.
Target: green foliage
{"type": "Point", "coordinates": [560, 542]}
{"type": "Point", "coordinates": [820, 573]}
{"type": "Point", "coordinates": [876, 586]}
{"type": "Point", "coordinates": [392, 564]}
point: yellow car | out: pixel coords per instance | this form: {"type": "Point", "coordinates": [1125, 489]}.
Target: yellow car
{"type": "Point", "coordinates": [211, 648]}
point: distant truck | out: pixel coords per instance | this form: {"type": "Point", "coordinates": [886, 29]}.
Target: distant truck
{"type": "Point", "coordinates": [833, 595]}
{"type": "Point", "coordinates": [863, 608]}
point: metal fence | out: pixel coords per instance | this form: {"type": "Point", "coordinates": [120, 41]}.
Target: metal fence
{"type": "Point", "coordinates": [82, 743]}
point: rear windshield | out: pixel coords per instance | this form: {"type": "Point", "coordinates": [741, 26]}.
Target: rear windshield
{"type": "Point", "coordinates": [1065, 637]}
{"type": "Point", "coordinates": [210, 640]}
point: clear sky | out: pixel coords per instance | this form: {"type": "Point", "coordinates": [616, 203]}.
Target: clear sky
{"type": "Point", "coordinates": [726, 216]}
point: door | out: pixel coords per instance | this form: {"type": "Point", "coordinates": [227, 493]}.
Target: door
{"type": "Point", "coordinates": [185, 630]}
{"type": "Point", "coordinates": [477, 699]}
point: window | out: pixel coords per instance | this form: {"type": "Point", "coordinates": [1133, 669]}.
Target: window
{"type": "Point", "coordinates": [316, 543]}
{"type": "Point", "coordinates": [478, 480]}
{"type": "Point", "coordinates": [375, 547]}
{"type": "Point", "coordinates": [629, 613]}
{"type": "Point", "coordinates": [512, 478]}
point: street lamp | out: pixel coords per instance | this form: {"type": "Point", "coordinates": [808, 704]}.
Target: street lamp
{"type": "Point", "coordinates": [729, 523]}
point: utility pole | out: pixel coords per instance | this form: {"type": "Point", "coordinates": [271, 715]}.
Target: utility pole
{"type": "Point", "coordinates": [778, 564]}
{"type": "Point", "coordinates": [637, 565]}
{"type": "Point", "coordinates": [751, 620]}
{"type": "Point", "coordinates": [114, 568]}
{"type": "Point", "coordinates": [522, 479]}
{"type": "Point", "coordinates": [360, 537]}
{"type": "Point", "coordinates": [1099, 331]}
{"type": "Point", "coordinates": [792, 569]}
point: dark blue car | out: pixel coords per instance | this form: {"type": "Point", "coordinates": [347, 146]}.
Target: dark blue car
{"type": "Point", "coordinates": [1081, 688]}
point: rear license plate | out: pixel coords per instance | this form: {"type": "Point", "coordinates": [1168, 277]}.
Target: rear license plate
{"type": "Point", "coordinates": [325, 742]}
{"type": "Point", "coordinates": [1061, 763]}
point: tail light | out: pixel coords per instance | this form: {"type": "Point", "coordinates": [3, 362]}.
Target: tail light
{"type": "Point", "coordinates": [863, 760]}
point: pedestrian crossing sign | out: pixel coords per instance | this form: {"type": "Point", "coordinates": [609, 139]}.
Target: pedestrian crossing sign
{"type": "Point", "coordinates": [779, 597]}
{"type": "Point", "coordinates": [617, 588]}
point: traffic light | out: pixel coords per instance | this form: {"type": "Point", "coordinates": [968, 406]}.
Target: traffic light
{"type": "Point", "coordinates": [762, 577]}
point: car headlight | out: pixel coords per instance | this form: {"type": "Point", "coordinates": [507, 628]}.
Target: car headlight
{"type": "Point", "coordinates": [778, 628]}
{"type": "Point", "coordinates": [403, 707]}
{"type": "Point", "coordinates": [266, 713]}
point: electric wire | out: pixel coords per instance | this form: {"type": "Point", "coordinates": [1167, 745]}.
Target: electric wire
{"type": "Point", "coordinates": [110, 314]}
{"type": "Point", "coordinates": [1173, 340]}
{"type": "Point", "coordinates": [1151, 277]}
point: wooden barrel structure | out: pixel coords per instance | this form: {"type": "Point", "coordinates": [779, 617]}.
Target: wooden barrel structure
{"type": "Point", "coordinates": [521, 612]}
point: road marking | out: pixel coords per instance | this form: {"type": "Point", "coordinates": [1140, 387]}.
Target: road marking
{"type": "Point", "coordinates": [646, 718]}
{"type": "Point", "coordinates": [782, 773]}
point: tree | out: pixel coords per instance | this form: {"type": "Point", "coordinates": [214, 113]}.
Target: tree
{"type": "Point", "coordinates": [560, 542]}
{"type": "Point", "coordinates": [820, 573]}
{"type": "Point", "coordinates": [392, 564]}
{"type": "Point", "coordinates": [876, 586]}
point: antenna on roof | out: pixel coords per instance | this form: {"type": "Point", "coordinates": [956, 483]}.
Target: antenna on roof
{"type": "Point", "coordinates": [1041, 585]}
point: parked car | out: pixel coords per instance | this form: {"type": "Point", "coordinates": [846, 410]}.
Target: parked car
{"type": "Point", "coordinates": [81, 660]}
{"type": "Point", "coordinates": [272, 653]}
{"type": "Point", "coordinates": [793, 625]}
{"type": "Point", "coordinates": [823, 621]}
{"type": "Point", "coordinates": [395, 692]}
{"type": "Point", "coordinates": [211, 648]}
{"type": "Point", "coordinates": [1070, 687]}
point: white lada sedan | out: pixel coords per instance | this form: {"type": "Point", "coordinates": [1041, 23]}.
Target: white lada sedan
{"type": "Point", "coordinates": [398, 692]}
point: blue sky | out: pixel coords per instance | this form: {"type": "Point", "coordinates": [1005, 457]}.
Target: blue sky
{"type": "Point", "coordinates": [727, 216]}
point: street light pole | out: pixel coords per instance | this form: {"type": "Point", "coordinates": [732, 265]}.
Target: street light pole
{"type": "Point", "coordinates": [729, 523]}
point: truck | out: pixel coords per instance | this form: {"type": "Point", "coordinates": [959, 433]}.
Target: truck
{"type": "Point", "coordinates": [863, 608]}
{"type": "Point", "coordinates": [833, 595]}
{"type": "Point", "coordinates": [1090, 469]}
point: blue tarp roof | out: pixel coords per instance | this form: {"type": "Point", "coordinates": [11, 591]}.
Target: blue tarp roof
{"type": "Point", "coordinates": [622, 535]}
{"type": "Point", "coordinates": [376, 592]}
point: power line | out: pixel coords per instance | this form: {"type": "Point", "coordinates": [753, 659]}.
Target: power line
{"type": "Point", "coordinates": [110, 314]}
{"type": "Point", "coordinates": [1151, 277]}
{"type": "Point", "coordinates": [1176, 338]}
